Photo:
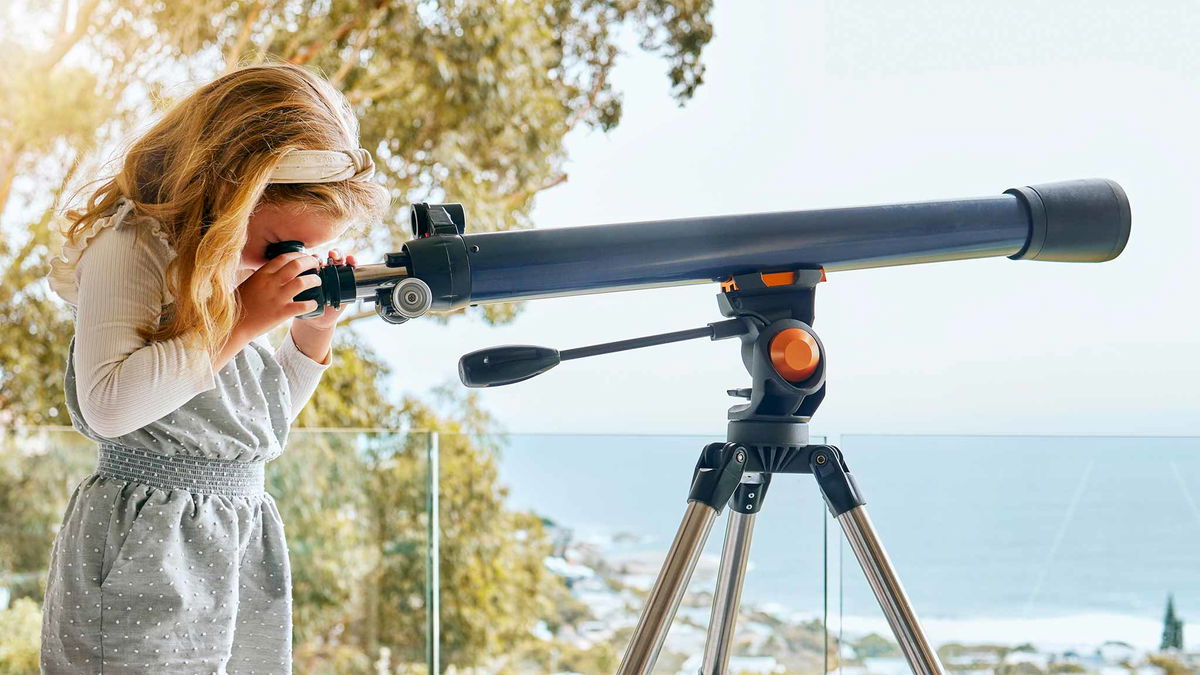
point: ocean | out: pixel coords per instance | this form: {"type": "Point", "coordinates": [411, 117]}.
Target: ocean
{"type": "Point", "coordinates": [1057, 541]}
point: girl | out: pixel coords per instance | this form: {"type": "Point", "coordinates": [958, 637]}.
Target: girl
{"type": "Point", "coordinates": [171, 557]}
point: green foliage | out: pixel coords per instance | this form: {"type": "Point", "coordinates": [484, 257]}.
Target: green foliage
{"type": "Point", "coordinates": [1025, 647]}
{"type": "Point", "coordinates": [874, 645]}
{"type": "Point", "coordinates": [951, 650]}
{"type": "Point", "coordinates": [38, 472]}
{"type": "Point", "coordinates": [43, 107]}
{"type": "Point", "coordinates": [494, 582]}
{"type": "Point", "coordinates": [560, 657]}
{"type": "Point", "coordinates": [1018, 669]}
{"type": "Point", "coordinates": [20, 628]}
{"type": "Point", "coordinates": [352, 393]}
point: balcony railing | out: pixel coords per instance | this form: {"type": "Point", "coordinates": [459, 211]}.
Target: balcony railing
{"type": "Point", "coordinates": [413, 552]}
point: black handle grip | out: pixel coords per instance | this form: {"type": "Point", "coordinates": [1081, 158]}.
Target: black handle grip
{"type": "Point", "coordinates": [505, 365]}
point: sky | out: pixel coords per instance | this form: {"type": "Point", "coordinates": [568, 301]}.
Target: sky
{"type": "Point", "coordinates": [810, 105]}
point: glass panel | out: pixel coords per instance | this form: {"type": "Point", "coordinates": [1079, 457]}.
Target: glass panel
{"type": "Point", "coordinates": [610, 506]}
{"type": "Point", "coordinates": [354, 506]}
{"type": "Point", "coordinates": [1056, 552]}
{"type": "Point", "coordinates": [355, 509]}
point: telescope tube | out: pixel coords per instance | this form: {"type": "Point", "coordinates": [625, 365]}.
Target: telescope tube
{"type": "Point", "coordinates": [1072, 221]}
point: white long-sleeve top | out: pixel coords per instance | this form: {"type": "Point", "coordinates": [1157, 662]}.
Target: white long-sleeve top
{"type": "Point", "coordinates": [123, 381]}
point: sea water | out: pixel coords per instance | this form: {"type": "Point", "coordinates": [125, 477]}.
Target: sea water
{"type": "Point", "coordinates": [1058, 541]}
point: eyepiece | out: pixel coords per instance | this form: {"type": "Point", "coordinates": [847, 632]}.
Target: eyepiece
{"type": "Point", "coordinates": [1074, 221]}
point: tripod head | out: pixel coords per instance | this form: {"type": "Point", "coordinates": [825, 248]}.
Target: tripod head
{"type": "Point", "coordinates": [771, 313]}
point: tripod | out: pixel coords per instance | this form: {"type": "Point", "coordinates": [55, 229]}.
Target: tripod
{"type": "Point", "coordinates": [772, 314]}
{"type": "Point", "coordinates": [766, 436]}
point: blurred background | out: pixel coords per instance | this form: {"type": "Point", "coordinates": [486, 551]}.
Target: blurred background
{"type": "Point", "coordinates": [1027, 434]}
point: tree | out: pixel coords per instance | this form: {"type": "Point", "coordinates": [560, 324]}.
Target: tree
{"type": "Point", "coordinates": [19, 626]}
{"type": "Point", "coordinates": [466, 101]}
{"type": "Point", "coordinates": [1172, 636]}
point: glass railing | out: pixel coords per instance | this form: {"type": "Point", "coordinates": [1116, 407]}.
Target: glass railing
{"type": "Point", "coordinates": [1019, 554]}
{"type": "Point", "coordinates": [1030, 553]}
{"type": "Point", "coordinates": [535, 552]}
{"type": "Point", "coordinates": [356, 511]}
{"type": "Point", "coordinates": [614, 503]}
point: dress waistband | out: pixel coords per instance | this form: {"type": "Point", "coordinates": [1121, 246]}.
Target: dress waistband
{"type": "Point", "coordinates": [180, 472]}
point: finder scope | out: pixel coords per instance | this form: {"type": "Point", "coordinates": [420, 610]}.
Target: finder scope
{"type": "Point", "coordinates": [443, 268]}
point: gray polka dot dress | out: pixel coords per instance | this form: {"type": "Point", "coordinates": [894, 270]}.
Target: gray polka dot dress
{"type": "Point", "coordinates": [171, 556]}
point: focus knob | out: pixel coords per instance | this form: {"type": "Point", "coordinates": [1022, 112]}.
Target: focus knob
{"type": "Point", "coordinates": [795, 354]}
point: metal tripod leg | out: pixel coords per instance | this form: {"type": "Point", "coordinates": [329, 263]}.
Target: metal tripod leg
{"type": "Point", "coordinates": [668, 589]}
{"type": "Point", "coordinates": [714, 480]}
{"type": "Point", "coordinates": [728, 594]}
{"type": "Point", "coordinates": [842, 496]}
{"type": "Point", "coordinates": [888, 590]}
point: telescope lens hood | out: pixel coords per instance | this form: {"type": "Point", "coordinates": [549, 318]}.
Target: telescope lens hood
{"type": "Point", "coordinates": [1074, 221]}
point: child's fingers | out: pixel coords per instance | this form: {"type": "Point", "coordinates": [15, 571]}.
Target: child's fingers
{"type": "Point", "coordinates": [295, 265]}
{"type": "Point", "coordinates": [274, 264]}
{"type": "Point", "coordinates": [336, 258]}
{"type": "Point", "coordinates": [300, 284]}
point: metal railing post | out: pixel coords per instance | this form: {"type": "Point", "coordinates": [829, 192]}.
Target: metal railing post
{"type": "Point", "coordinates": [433, 618]}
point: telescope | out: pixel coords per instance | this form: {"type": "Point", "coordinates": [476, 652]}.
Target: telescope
{"type": "Point", "coordinates": [443, 268]}
{"type": "Point", "coordinates": [768, 265]}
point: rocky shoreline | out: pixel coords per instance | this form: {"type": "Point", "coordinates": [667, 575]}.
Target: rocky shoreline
{"type": "Point", "coordinates": [612, 583]}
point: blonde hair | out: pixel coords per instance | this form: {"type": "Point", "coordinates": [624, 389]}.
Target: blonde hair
{"type": "Point", "coordinates": [203, 169]}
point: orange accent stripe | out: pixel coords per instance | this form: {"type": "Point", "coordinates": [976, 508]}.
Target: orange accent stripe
{"type": "Point", "coordinates": [779, 278]}
{"type": "Point", "coordinates": [769, 279]}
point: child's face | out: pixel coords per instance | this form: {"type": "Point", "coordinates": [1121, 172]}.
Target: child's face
{"type": "Point", "coordinates": [273, 222]}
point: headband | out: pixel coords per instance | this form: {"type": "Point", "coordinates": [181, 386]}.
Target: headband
{"type": "Point", "coordinates": [323, 166]}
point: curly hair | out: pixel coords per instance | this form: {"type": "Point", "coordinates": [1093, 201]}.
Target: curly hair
{"type": "Point", "coordinates": [204, 167]}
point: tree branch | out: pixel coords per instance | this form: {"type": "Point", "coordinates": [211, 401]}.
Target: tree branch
{"type": "Point", "coordinates": [8, 172]}
{"type": "Point", "coordinates": [63, 11]}
{"type": "Point", "coordinates": [512, 200]}
{"type": "Point", "coordinates": [66, 40]}
{"type": "Point", "coordinates": [359, 95]}
{"type": "Point", "coordinates": [360, 41]}
{"type": "Point", "coordinates": [243, 37]}
{"type": "Point", "coordinates": [578, 115]}
{"type": "Point", "coordinates": [68, 176]}
{"type": "Point", "coordinates": [308, 51]}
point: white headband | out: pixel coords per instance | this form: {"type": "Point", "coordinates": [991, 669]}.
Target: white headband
{"type": "Point", "coordinates": [323, 166]}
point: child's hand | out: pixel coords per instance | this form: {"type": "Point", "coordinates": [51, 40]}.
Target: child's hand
{"type": "Point", "coordinates": [330, 318]}
{"type": "Point", "coordinates": [267, 295]}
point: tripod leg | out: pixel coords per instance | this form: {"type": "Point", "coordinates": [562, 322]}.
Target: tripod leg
{"type": "Point", "coordinates": [714, 480]}
{"type": "Point", "coordinates": [888, 590]}
{"type": "Point", "coordinates": [847, 506]}
{"type": "Point", "coordinates": [738, 532]}
{"type": "Point", "coordinates": [668, 589]}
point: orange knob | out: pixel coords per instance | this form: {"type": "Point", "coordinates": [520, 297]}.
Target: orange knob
{"type": "Point", "coordinates": [795, 354]}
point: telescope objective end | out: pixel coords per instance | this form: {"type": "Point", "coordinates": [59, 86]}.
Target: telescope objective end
{"type": "Point", "coordinates": [1074, 221]}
